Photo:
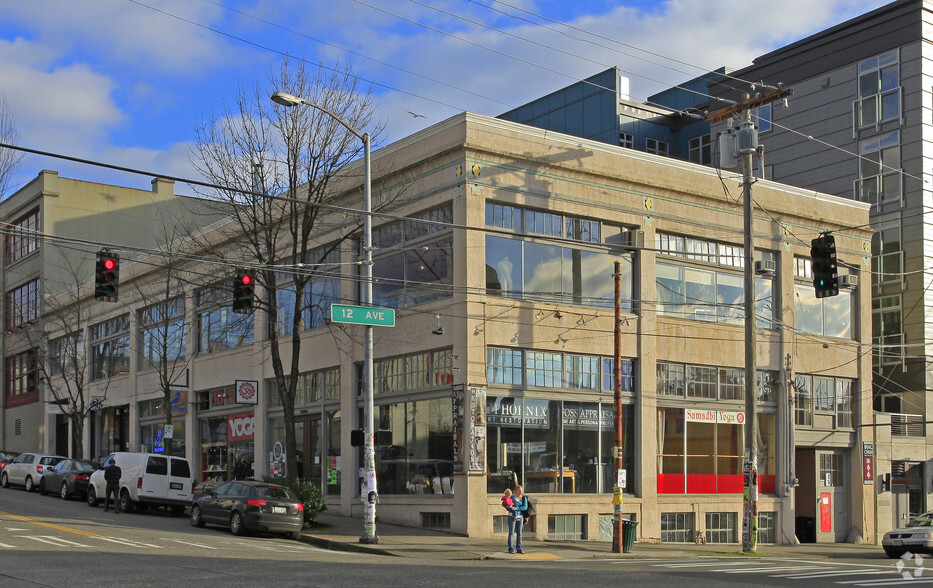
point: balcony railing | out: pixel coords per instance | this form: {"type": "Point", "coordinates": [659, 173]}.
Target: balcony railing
{"type": "Point", "coordinates": [906, 425]}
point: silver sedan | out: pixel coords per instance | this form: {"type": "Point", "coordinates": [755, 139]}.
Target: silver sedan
{"type": "Point", "coordinates": [916, 537]}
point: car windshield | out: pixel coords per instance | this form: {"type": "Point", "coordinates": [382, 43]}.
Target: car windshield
{"type": "Point", "coordinates": [924, 520]}
{"type": "Point", "coordinates": [275, 492]}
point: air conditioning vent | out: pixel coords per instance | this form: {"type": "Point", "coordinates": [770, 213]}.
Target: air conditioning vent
{"type": "Point", "coordinates": [765, 266]}
{"type": "Point", "coordinates": [635, 239]}
{"type": "Point", "coordinates": [848, 281]}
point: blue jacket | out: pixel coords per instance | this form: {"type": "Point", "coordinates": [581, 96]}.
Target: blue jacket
{"type": "Point", "coordinates": [519, 505]}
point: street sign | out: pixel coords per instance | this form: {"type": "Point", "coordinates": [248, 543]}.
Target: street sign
{"type": "Point", "coordinates": [362, 315]}
{"type": "Point", "coordinates": [169, 431]}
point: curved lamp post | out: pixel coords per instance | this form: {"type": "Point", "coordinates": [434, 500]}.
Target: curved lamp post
{"type": "Point", "coordinates": [369, 453]}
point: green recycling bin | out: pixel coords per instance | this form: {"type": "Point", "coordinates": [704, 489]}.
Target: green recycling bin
{"type": "Point", "coordinates": [628, 535]}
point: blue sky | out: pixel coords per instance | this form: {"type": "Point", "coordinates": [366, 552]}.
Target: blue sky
{"type": "Point", "coordinates": [125, 81]}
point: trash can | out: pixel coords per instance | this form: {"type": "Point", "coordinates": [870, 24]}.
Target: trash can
{"type": "Point", "coordinates": [628, 535]}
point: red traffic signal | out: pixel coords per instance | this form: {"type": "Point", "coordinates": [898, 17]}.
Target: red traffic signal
{"type": "Point", "coordinates": [243, 292]}
{"type": "Point", "coordinates": [107, 276]}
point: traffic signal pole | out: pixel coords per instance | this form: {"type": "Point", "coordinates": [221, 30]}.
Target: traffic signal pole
{"type": "Point", "coordinates": [747, 147]}
{"type": "Point", "coordinates": [750, 466]}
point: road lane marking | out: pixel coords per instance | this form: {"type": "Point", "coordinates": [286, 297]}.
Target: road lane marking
{"type": "Point", "coordinates": [129, 543]}
{"type": "Point", "coordinates": [707, 565]}
{"type": "Point", "coordinates": [830, 573]}
{"type": "Point", "coordinates": [768, 569]}
{"type": "Point", "coordinates": [50, 525]}
{"type": "Point", "coordinates": [895, 582]}
{"type": "Point", "coordinates": [51, 540]}
{"type": "Point", "coordinates": [189, 543]}
{"type": "Point", "coordinates": [5, 546]}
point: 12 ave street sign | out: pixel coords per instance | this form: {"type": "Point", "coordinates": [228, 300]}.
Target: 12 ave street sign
{"type": "Point", "coordinates": [362, 315]}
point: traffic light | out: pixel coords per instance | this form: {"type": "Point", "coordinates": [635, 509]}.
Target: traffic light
{"type": "Point", "coordinates": [243, 292]}
{"type": "Point", "coordinates": [107, 277]}
{"type": "Point", "coordinates": [823, 266]}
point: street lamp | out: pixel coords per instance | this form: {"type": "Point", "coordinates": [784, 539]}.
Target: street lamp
{"type": "Point", "coordinates": [369, 452]}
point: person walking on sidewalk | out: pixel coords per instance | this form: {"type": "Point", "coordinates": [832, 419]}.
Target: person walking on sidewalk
{"type": "Point", "coordinates": [517, 520]}
{"type": "Point", "coordinates": [112, 474]}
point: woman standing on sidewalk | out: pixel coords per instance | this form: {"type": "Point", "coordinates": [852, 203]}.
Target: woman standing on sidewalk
{"type": "Point", "coordinates": [517, 520]}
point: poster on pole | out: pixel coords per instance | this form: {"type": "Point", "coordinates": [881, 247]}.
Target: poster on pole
{"type": "Point", "coordinates": [477, 422]}
{"type": "Point", "coordinates": [457, 405]}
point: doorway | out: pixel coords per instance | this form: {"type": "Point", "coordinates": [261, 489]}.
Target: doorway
{"type": "Point", "coordinates": [906, 491]}
{"type": "Point", "coordinates": [308, 428]}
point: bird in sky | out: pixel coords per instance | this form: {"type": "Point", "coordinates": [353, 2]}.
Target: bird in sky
{"type": "Point", "coordinates": [416, 115]}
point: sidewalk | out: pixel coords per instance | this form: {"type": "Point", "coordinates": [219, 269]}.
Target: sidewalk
{"type": "Point", "coordinates": [332, 531]}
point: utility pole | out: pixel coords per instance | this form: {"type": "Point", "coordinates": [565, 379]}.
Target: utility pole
{"type": "Point", "coordinates": [617, 449]}
{"type": "Point", "coordinates": [746, 144]}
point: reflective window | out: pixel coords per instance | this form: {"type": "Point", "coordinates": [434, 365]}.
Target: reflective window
{"type": "Point", "coordinates": [879, 89]}
{"type": "Point", "coordinates": [551, 273]}
{"type": "Point", "coordinates": [219, 328]}
{"type": "Point", "coordinates": [109, 343]}
{"type": "Point", "coordinates": [879, 169]}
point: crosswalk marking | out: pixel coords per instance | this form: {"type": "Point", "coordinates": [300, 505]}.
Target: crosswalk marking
{"type": "Point", "coordinates": [57, 541]}
{"type": "Point", "coordinates": [129, 543]}
{"type": "Point", "coordinates": [189, 543]}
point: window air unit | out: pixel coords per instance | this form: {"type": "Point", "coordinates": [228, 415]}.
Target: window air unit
{"type": "Point", "coordinates": [765, 266]}
{"type": "Point", "coordinates": [848, 281]}
{"type": "Point", "coordinates": [635, 239]}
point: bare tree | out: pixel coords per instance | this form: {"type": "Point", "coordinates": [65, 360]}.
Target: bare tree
{"type": "Point", "coordinates": [62, 363]}
{"type": "Point", "coordinates": [163, 330]}
{"type": "Point", "coordinates": [9, 158]}
{"type": "Point", "coordinates": [294, 154]}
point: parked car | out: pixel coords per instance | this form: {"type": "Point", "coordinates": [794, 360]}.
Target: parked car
{"type": "Point", "coordinates": [916, 537]}
{"type": "Point", "coordinates": [69, 477]}
{"type": "Point", "coordinates": [27, 469]}
{"type": "Point", "coordinates": [7, 457]}
{"type": "Point", "coordinates": [149, 479]}
{"type": "Point", "coordinates": [250, 506]}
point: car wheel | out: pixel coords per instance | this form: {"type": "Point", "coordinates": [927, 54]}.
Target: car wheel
{"type": "Point", "coordinates": [64, 493]}
{"type": "Point", "coordinates": [5, 481]}
{"type": "Point", "coordinates": [125, 503]}
{"type": "Point", "coordinates": [29, 484]}
{"type": "Point", "coordinates": [42, 487]}
{"type": "Point", "coordinates": [236, 524]}
{"type": "Point", "coordinates": [92, 496]}
{"type": "Point", "coordinates": [196, 520]}
{"type": "Point", "coordinates": [293, 534]}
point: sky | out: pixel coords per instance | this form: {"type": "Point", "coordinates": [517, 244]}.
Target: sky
{"type": "Point", "coordinates": [125, 82]}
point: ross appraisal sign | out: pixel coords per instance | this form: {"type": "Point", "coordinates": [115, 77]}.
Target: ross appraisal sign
{"type": "Point", "coordinates": [725, 417]}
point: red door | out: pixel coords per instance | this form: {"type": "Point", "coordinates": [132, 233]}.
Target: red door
{"type": "Point", "coordinates": [826, 512]}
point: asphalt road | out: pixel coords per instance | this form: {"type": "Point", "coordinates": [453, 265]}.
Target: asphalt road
{"type": "Point", "coordinates": [45, 541]}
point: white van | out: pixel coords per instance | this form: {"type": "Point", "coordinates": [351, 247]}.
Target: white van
{"type": "Point", "coordinates": [148, 479]}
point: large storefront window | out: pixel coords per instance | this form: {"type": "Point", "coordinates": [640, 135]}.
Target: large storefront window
{"type": "Point", "coordinates": [420, 459]}
{"type": "Point", "coordinates": [152, 438]}
{"type": "Point", "coordinates": [227, 447]}
{"type": "Point", "coordinates": [552, 446]}
{"type": "Point", "coordinates": [700, 451]}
